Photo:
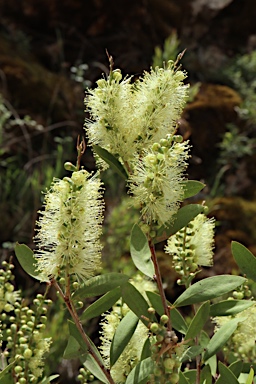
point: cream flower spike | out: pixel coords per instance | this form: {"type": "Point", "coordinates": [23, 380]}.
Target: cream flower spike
{"type": "Point", "coordinates": [199, 235]}
{"type": "Point", "coordinates": [70, 226]}
{"type": "Point", "coordinates": [157, 182]}
{"type": "Point", "coordinates": [160, 98]}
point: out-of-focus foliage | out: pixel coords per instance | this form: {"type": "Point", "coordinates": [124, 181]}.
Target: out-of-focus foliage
{"type": "Point", "coordinates": [170, 50]}
{"type": "Point", "coordinates": [241, 74]}
{"type": "Point", "coordinates": [27, 167]}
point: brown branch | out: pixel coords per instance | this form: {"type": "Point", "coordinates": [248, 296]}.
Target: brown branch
{"type": "Point", "coordinates": [159, 282]}
{"type": "Point", "coordinates": [74, 315]}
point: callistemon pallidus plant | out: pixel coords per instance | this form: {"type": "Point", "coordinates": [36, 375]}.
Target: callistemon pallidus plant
{"type": "Point", "coordinates": [132, 127]}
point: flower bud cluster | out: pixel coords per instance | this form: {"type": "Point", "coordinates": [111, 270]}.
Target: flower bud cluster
{"type": "Point", "coordinates": [23, 329]}
{"type": "Point", "coordinates": [85, 376]}
{"type": "Point", "coordinates": [157, 181]}
{"type": "Point", "coordinates": [166, 352]}
{"type": "Point", "coordinates": [242, 292]}
{"type": "Point", "coordinates": [192, 247]}
{"type": "Point", "coordinates": [241, 344]}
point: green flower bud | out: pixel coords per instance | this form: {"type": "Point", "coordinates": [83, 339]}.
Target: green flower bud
{"type": "Point", "coordinates": [117, 76]}
{"type": "Point", "coordinates": [154, 327]}
{"type": "Point", "coordinates": [151, 310]}
{"type": "Point", "coordinates": [164, 319]}
{"type": "Point", "coordinates": [155, 146]}
{"type": "Point", "coordinates": [8, 307]}
{"type": "Point", "coordinates": [169, 364]}
{"type": "Point", "coordinates": [70, 167]}
{"type": "Point", "coordinates": [18, 369]}
{"type": "Point", "coordinates": [27, 353]}
{"type": "Point", "coordinates": [101, 83]}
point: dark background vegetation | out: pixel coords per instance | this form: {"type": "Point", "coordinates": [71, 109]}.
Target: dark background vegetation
{"type": "Point", "coordinates": [50, 51]}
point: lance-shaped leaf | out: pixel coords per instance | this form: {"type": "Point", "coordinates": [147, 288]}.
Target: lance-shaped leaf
{"type": "Point", "coordinates": [209, 288]}
{"type": "Point", "coordinates": [5, 371]}
{"type": "Point", "coordinates": [73, 349]}
{"type": "Point", "coordinates": [229, 307]}
{"type": "Point", "coordinates": [140, 252]}
{"type": "Point", "coordinates": [90, 364]}
{"type": "Point", "coordinates": [86, 358]}
{"type": "Point", "coordinates": [191, 352]}
{"type": "Point", "coordinates": [111, 160]}
{"type": "Point", "coordinates": [135, 301]}
{"type": "Point", "coordinates": [191, 188]}
{"type": "Point", "coordinates": [182, 379]}
{"type": "Point", "coordinates": [74, 332]}
{"type": "Point", "coordinates": [236, 367]}
{"type": "Point", "coordinates": [226, 375]}
{"type": "Point", "coordinates": [122, 336]}
{"type": "Point", "coordinates": [245, 259]}
{"type": "Point", "coordinates": [140, 372]}
{"type": "Point", "coordinates": [47, 380]}
{"type": "Point", "coordinates": [181, 219]}
{"type": "Point", "coordinates": [102, 304]}
{"type": "Point", "coordinates": [221, 337]}
{"type": "Point", "coordinates": [190, 376]}
{"type": "Point", "coordinates": [101, 284]}
{"type": "Point", "coordinates": [198, 321]}
{"type": "Point", "coordinates": [28, 262]}
{"type": "Point", "coordinates": [146, 351]}
{"type": "Point", "coordinates": [206, 376]}
{"type": "Point", "coordinates": [176, 318]}
{"type": "Point", "coordinates": [250, 377]}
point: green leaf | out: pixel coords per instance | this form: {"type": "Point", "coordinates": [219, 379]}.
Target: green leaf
{"type": "Point", "coordinates": [244, 259]}
{"type": "Point", "coordinates": [191, 352]}
{"type": "Point", "coordinates": [101, 284]}
{"type": "Point", "coordinates": [73, 331]}
{"type": "Point", "coordinates": [87, 359]}
{"type": "Point", "coordinates": [236, 367]}
{"type": "Point", "coordinates": [140, 252]}
{"type": "Point", "coordinates": [198, 321]}
{"type": "Point", "coordinates": [226, 375]}
{"type": "Point", "coordinates": [190, 376]}
{"type": "Point", "coordinates": [111, 160]}
{"type": "Point", "coordinates": [47, 380]}
{"type": "Point", "coordinates": [250, 377]}
{"type": "Point", "coordinates": [90, 364]}
{"type": "Point", "coordinates": [183, 379]}
{"type": "Point", "coordinates": [140, 372]}
{"type": "Point", "coordinates": [176, 318]}
{"type": "Point", "coordinates": [206, 377]}
{"type": "Point", "coordinates": [73, 349]}
{"type": "Point", "coordinates": [178, 322]}
{"type": "Point", "coordinates": [209, 288]}
{"type": "Point", "coordinates": [102, 304]}
{"type": "Point", "coordinates": [146, 351]}
{"type": "Point", "coordinates": [135, 301]}
{"type": "Point", "coordinates": [212, 361]}
{"type": "Point", "coordinates": [7, 369]}
{"type": "Point", "coordinates": [229, 307]}
{"type": "Point", "coordinates": [181, 219]}
{"type": "Point", "coordinates": [191, 188]}
{"type": "Point", "coordinates": [156, 302]}
{"type": "Point", "coordinates": [26, 259]}
{"type": "Point", "coordinates": [221, 337]}
{"type": "Point", "coordinates": [122, 336]}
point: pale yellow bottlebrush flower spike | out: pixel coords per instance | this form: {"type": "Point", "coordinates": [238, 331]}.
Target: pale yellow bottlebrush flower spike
{"type": "Point", "coordinates": [70, 226]}
{"type": "Point", "coordinates": [199, 235]}
{"type": "Point", "coordinates": [157, 182]}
